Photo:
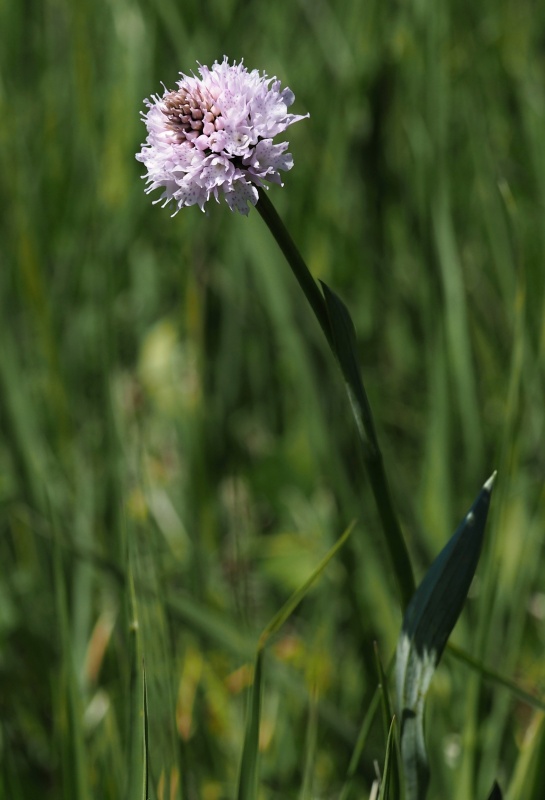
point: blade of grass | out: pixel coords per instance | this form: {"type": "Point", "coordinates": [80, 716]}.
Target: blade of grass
{"type": "Point", "coordinates": [291, 604]}
{"type": "Point", "coordinates": [384, 695]}
{"type": "Point", "coordinates": [72, 736]}
{"type": "Point", "coordinates": [528, 777]}
{"type": "Point", "coordinates": [360, 744]}
{"type": "Point", "coordinates": [248, 774]}
{"type": "Point", "coordinates": [145, 760]}
{"type": "Point", "coordinates": [496, 677]}
{"type": "Point", "coordinates": [137, 737]}
{"type": "Point", "coordinates": [310, 749]}
{"type": "Point", "coordinates": [214, 627]}
{"type": "Point", "coordinates": [388, 721]}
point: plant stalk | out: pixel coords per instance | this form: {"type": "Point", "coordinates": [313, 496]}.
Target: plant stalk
{"type": "Point", "coordinates": [395, 542]}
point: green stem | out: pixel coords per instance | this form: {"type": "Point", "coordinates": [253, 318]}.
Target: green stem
{"type": "Point", "coordinates": [372, 456]}
{"type": "Point", "coordinates": [295, 260]}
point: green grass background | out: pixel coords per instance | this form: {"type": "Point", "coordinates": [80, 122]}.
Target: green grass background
{"type": "Point", "coordinates": [176, 449]}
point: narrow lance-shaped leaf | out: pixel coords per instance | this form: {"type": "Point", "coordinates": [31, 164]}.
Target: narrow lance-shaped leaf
{"type": "Point", "coordinates": [495, 794]}
{"type": "Point", "coordinates": [427, 624]}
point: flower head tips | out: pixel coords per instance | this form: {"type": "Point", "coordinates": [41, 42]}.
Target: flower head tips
{"type": "Point", "coordinates": [213, 136]}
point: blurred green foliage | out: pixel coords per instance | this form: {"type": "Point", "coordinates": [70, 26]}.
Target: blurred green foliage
{"type": "Point", "coordinates": [171, 420]}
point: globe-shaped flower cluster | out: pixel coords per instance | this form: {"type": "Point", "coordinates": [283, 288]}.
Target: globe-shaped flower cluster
{"type": "Point", "coordinates": [213, 136]}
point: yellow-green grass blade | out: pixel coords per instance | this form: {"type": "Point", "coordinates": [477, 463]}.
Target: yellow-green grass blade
{"type": "Point", "coordinates": [291, 604]}
{"type": "Point", "coordinates": [248, 775]}
{"type": "Point", "coordinates": [384, 694]}
{"type": "Point", "coordinates": [145, 765]}
{"type": "Point", "coordinates": [528, 779]}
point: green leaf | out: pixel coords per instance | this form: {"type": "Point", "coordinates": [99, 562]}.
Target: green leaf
{"type": "Point", "coordinates": [384, 693]}
{"type": "Point", "coordinates": [496, 677]}
{"type": "Point", "coordinates": [248, 775]}
{"type": "Point", "coordinates": [427, 624]}
{"type": "Point", "coordinates": [495, 794]}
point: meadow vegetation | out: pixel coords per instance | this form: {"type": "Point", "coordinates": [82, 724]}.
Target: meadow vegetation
{"type": "Point", "coordinates": [177, 453]}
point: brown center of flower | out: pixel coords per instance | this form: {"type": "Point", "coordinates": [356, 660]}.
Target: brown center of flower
{"type": "Point", "coordinates": [190, 114]}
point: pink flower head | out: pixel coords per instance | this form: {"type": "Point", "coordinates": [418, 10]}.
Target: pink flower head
{"type": "Point", "coordinates": [214, 134]}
